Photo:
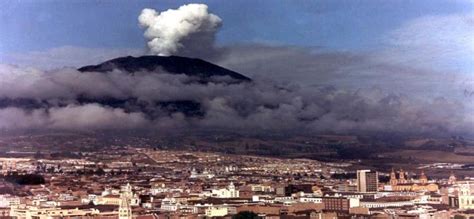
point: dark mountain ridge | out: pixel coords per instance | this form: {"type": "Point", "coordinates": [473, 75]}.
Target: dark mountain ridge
{"type": "Point", "coordinates": [171, 64]}
{"type": "Point", "coordinates": [200, 70]}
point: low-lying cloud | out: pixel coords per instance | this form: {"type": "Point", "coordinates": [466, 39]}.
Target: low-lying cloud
{"type": "Point", "coordinates": [262, 106]}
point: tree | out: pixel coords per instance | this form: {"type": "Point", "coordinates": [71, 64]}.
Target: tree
{"type": "Point", "coordinates": [246, 215]}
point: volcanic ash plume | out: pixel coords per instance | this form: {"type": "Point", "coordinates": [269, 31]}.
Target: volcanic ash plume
{"type": "Point", "coordinates": [188, 31]}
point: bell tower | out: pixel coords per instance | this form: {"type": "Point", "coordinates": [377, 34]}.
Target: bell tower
{"type": "Point", "coordinates": [393, 178]}
{"type": "Point", "coordinates": [401, 177]}
{"type": "Point", "coordinates": [423, 179]}
{"type": "Point", "coordinates": [125, 210]}
{"type": "Point", "coordinates": [452, 179]}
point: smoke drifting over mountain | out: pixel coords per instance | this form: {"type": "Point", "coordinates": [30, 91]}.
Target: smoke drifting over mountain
{"type": "Point", "coordinates": [55, 101]}
{"type": "Point", "coordinates": [186, 31]}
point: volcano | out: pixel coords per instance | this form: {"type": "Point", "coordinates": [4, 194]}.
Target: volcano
{"type": "Point", "coordinates": [198, 70]}
{"type": "Point", "coordinates": [204, 71]}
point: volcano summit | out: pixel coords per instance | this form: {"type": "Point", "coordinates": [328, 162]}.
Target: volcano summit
{"type": "Point", "coordinates": [191, 67]}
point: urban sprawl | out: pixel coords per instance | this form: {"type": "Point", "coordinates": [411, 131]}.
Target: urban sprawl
{"type": "Point", "coordinates": [128, 182]}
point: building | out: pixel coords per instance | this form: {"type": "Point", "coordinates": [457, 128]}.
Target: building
{"type": "Point", "coordinates": [339, 203]}
{"type": "Point", "coordinates": [125, 210]}
{"type": "Point", "coordinates": [452, 179]}
{"type": "Point", "coordinates": [204, 175]}
{"type": "Point", "coordinates": [35, 212]}
{"type": "Point", "coordinates": [113, 199]}
{"type": "Point", "coordinates": [367, 181]}
{"type": "Point", "coordinates": [291, 189]}
{"type": "Point", "coordinates": [229, 192]}
{"type": "Point", "coordinates": [220, 211]}
{"type": "Point", "coordinates": [403, 184]}
{"type": "Point", "coordinates": [386, 203]}
{"type": "Point", "coordinates": [466, 195]}
{"type": "Point", "coordinates": [6, 201]}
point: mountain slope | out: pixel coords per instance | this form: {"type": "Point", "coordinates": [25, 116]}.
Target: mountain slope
{"type": "Point", "coordinates": [198, 70]}
{"type": "Point", "coordinates": [171, 64]}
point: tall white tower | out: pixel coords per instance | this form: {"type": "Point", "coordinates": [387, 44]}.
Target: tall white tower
{"type": "Point", "coordinates": [125, 210]}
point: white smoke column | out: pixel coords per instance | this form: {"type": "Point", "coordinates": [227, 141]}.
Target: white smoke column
{"type": "Point", "coordinates": [189, 30]}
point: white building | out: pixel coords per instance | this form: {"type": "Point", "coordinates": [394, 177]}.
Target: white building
{"type": "Point", "coordinates": [220, 211]}
{"type": "Point", "coordinates": [205, 174]}
{"type": "Point", "coordinates": [384, 204]}
{"type": "Point", "coordinates": [7, 201]}
{"type": "Point", "coordinates": [466, 195]}
{"type": "Point", "coordinates": [30, 212]}
{"type": "Point", "coordinates": [229, 192]}
{"type": "Point", "coordinates": [171, 204]}
{"type": "Point", "coordinates": [311, 199]}
{"type": "Point", "coordinates": [112, 198]}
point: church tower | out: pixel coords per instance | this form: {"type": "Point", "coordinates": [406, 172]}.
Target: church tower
{"type": "Point", "coordinates": [127, 190]}
{"type": "Point", "coordinates": [423, 179]}
{"type": "Point", "coordinates": [401, 177]}
{"type": "Point", "coordinates": [231, 186]}
{"type": "Point", "coordinates": [452, 179]}
{"type": "Point", "coordinates": [393, 178]}
{"type": "Point", "coordinates": [125, 210]}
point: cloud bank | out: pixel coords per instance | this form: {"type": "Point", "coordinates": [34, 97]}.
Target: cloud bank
{"type": "Point", "coordinates": [54, 100]}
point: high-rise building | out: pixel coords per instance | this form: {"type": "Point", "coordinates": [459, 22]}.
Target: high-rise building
{"type": "Point", "coordinates": [367, 181]}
